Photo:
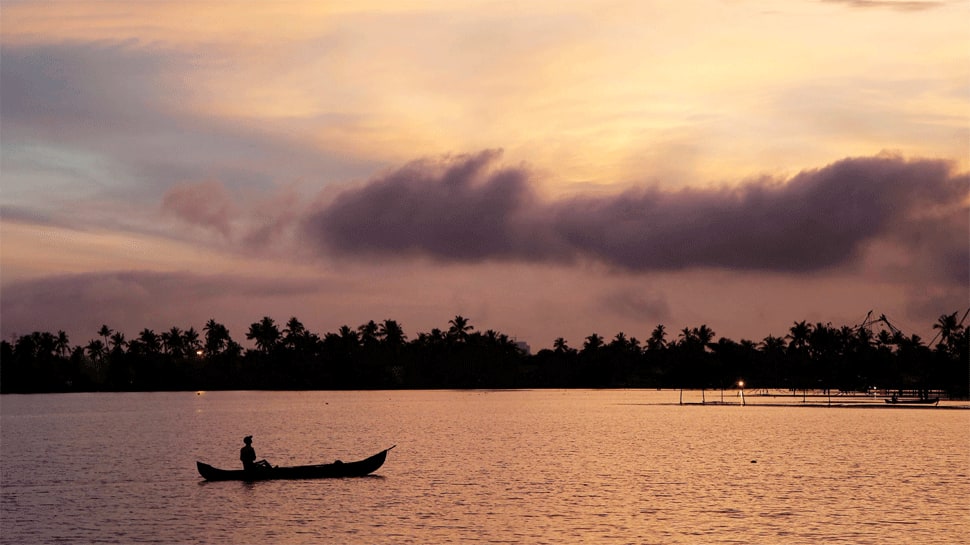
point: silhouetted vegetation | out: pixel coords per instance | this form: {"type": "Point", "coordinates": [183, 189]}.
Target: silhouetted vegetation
{"type": "Point", "coordinates": [380, 356]}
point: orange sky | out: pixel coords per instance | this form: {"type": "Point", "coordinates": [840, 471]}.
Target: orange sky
{"type": "Point", "coordinates": [153, 150]}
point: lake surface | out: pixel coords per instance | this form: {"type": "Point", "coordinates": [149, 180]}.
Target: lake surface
{"type": "Point", "coordinates": [544, 466]}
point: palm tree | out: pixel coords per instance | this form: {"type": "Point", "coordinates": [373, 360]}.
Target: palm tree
{"type": "Point", "coordinates": [95, 350]}
{"type": "Point", "coordinates": [297, 337]}
{"type": "Point", "coordinates": [190, 342]}
{"type": "Point", "coordinates": [798, 335]}
{"type": "Point", "coordinates": [772, 345]}
{"type": "Point", "coordinates": [294, 330]}
{"type": "Point", "coordinates": [592, 343]}
{"type": "Point", "coordinates": [150, 341]}
{"type": "Point", "coordinates": [265, 333]}
{"type": "Point", "coordinates": [348, 334]}
{"type": "Point", "coordinates": [696, 338]}
{"type": "Point", "coordinates": [688, 338]}
{"type": "Point", "coordinates": [216, 337]}
{"type": "Point", "coordinates": [118, 342]}
{"type": "Point", "coordinates": [947, 324]}
{"type": "Point", "coordinates": [105, 332]}
{"type": "Point", "coordinates": [460, 328]}
{"type": "Point", "coordinates": [658, 338]}
{"type": "Point", "coordinates": [62, 346]}
{"type": "Point", "coordinates": [368, 333]}
{"type": "Point", "coordinates": [559, 345]}
{"type": "Point", "coordinates": [36, 345]}
{"type": "Point", "coordinates": [172, 342]}
{"type": "Point", "coordinates": [295, 334]}
{"type": "Point", "coordinates": [913, 342]}
{"type": "Point", "coordinates": [704, 335]}
{"type": "Point", "coordinates": [347, 339]}
{"type": "Point", "coordinates": [435, 337]}
{"type": "Point", "coordinates": [391, 333]}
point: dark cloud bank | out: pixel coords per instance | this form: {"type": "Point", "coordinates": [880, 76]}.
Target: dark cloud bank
{"type": "Point", "coordinates": [469, 209]}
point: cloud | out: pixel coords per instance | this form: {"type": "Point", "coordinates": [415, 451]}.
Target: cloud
{"type": "Point", "coordinates": [206, 204]}
{"type": "Point", "coordinates": [455, 209]}
{"type": "Point", "coordinates": [467, 209]}
{"type": "Point", "coordinates": [258, 222]}
{"type": "Point", "coordinates": [818, 219]}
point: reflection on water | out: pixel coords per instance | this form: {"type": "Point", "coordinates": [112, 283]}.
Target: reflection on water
{"type": "Point", "coordinates": [475, 466]}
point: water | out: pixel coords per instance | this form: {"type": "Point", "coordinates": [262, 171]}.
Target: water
{"type": "Point", "coordinates": [480, 467]}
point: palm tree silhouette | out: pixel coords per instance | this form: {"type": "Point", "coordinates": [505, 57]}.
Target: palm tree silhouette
{"type": "Point", "coordinates": [947, 324]}
{"type": "Point", "coordinates": [172, 342]}
{"type": "Point", "coordinates": [118, 342]}
{"type": "Point", "coordinates": [61, 344]}
{"type": "Point", "coordinates": [658, 338]}
{"type": "Point", "coordinates": [773, 345]}
{"type": "Point", "coordinates": [798, 335]}
{"type": "Point", "coordinates": [105, 332]}
{"type": "Point", "coordinates": [150, 341]}
{"type": "Point", "coordinates": [294, 328]}
{"type": "Point", "coordinates": [190, 342]}
{"type": "Point", "coordinates": [460, 328]}
{"type": "Point", "coordinates": [216, 337]}
{"type": "Point", "coordinates": [265, 333]}
{"type": "Point", "coordinates": [391, 334]}
{"type": "Point", "coordinates": [592, 343]}
{"type": "Point", "coordinates": [704, 335]}
{"type": "Point", "coordinates": [368, 333]}
{"type": "Point", "coordinates": [686, 337]}
{"type": "Point", "coordinates": [95, 350]}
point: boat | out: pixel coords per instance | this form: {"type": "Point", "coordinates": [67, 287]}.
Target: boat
{"type": "Point", "coordinates": [913, 401]}
{"type": "Point", "coordinates": [337, 469]}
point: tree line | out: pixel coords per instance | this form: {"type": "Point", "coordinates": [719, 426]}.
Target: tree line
{"type": "Point", "coordinates": [380, 356]}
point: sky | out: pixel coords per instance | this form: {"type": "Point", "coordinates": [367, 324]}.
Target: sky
{"type": "Point", "coordinates": [545, 169]}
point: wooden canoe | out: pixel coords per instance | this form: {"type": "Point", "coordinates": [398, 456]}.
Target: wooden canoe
{"type": "Point", "coordinates": [320, 471]}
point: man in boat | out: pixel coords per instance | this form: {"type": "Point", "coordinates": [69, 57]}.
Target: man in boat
{"type": "Point", "coordinates": [248, 456]}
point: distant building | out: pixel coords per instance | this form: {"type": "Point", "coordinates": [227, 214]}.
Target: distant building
{"type": "Point", "coordinates": [524, 347]}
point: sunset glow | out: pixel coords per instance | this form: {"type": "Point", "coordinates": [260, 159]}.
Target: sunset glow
{"type": "Point", "coordinates": [545, 170]}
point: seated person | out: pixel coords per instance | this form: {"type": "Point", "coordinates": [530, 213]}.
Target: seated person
{"type": "Point", "coordinates": [247, 455]}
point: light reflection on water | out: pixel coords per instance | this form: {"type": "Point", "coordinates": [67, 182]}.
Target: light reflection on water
{"type": "Point", "coordinates": [478, 467]}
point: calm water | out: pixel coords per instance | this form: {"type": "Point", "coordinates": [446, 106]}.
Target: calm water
{"type": "Point", "coordinates": [480, 467]}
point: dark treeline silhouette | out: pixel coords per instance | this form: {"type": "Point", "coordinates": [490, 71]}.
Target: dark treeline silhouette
{"type": "Point", "coordinates": [380, 356]}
